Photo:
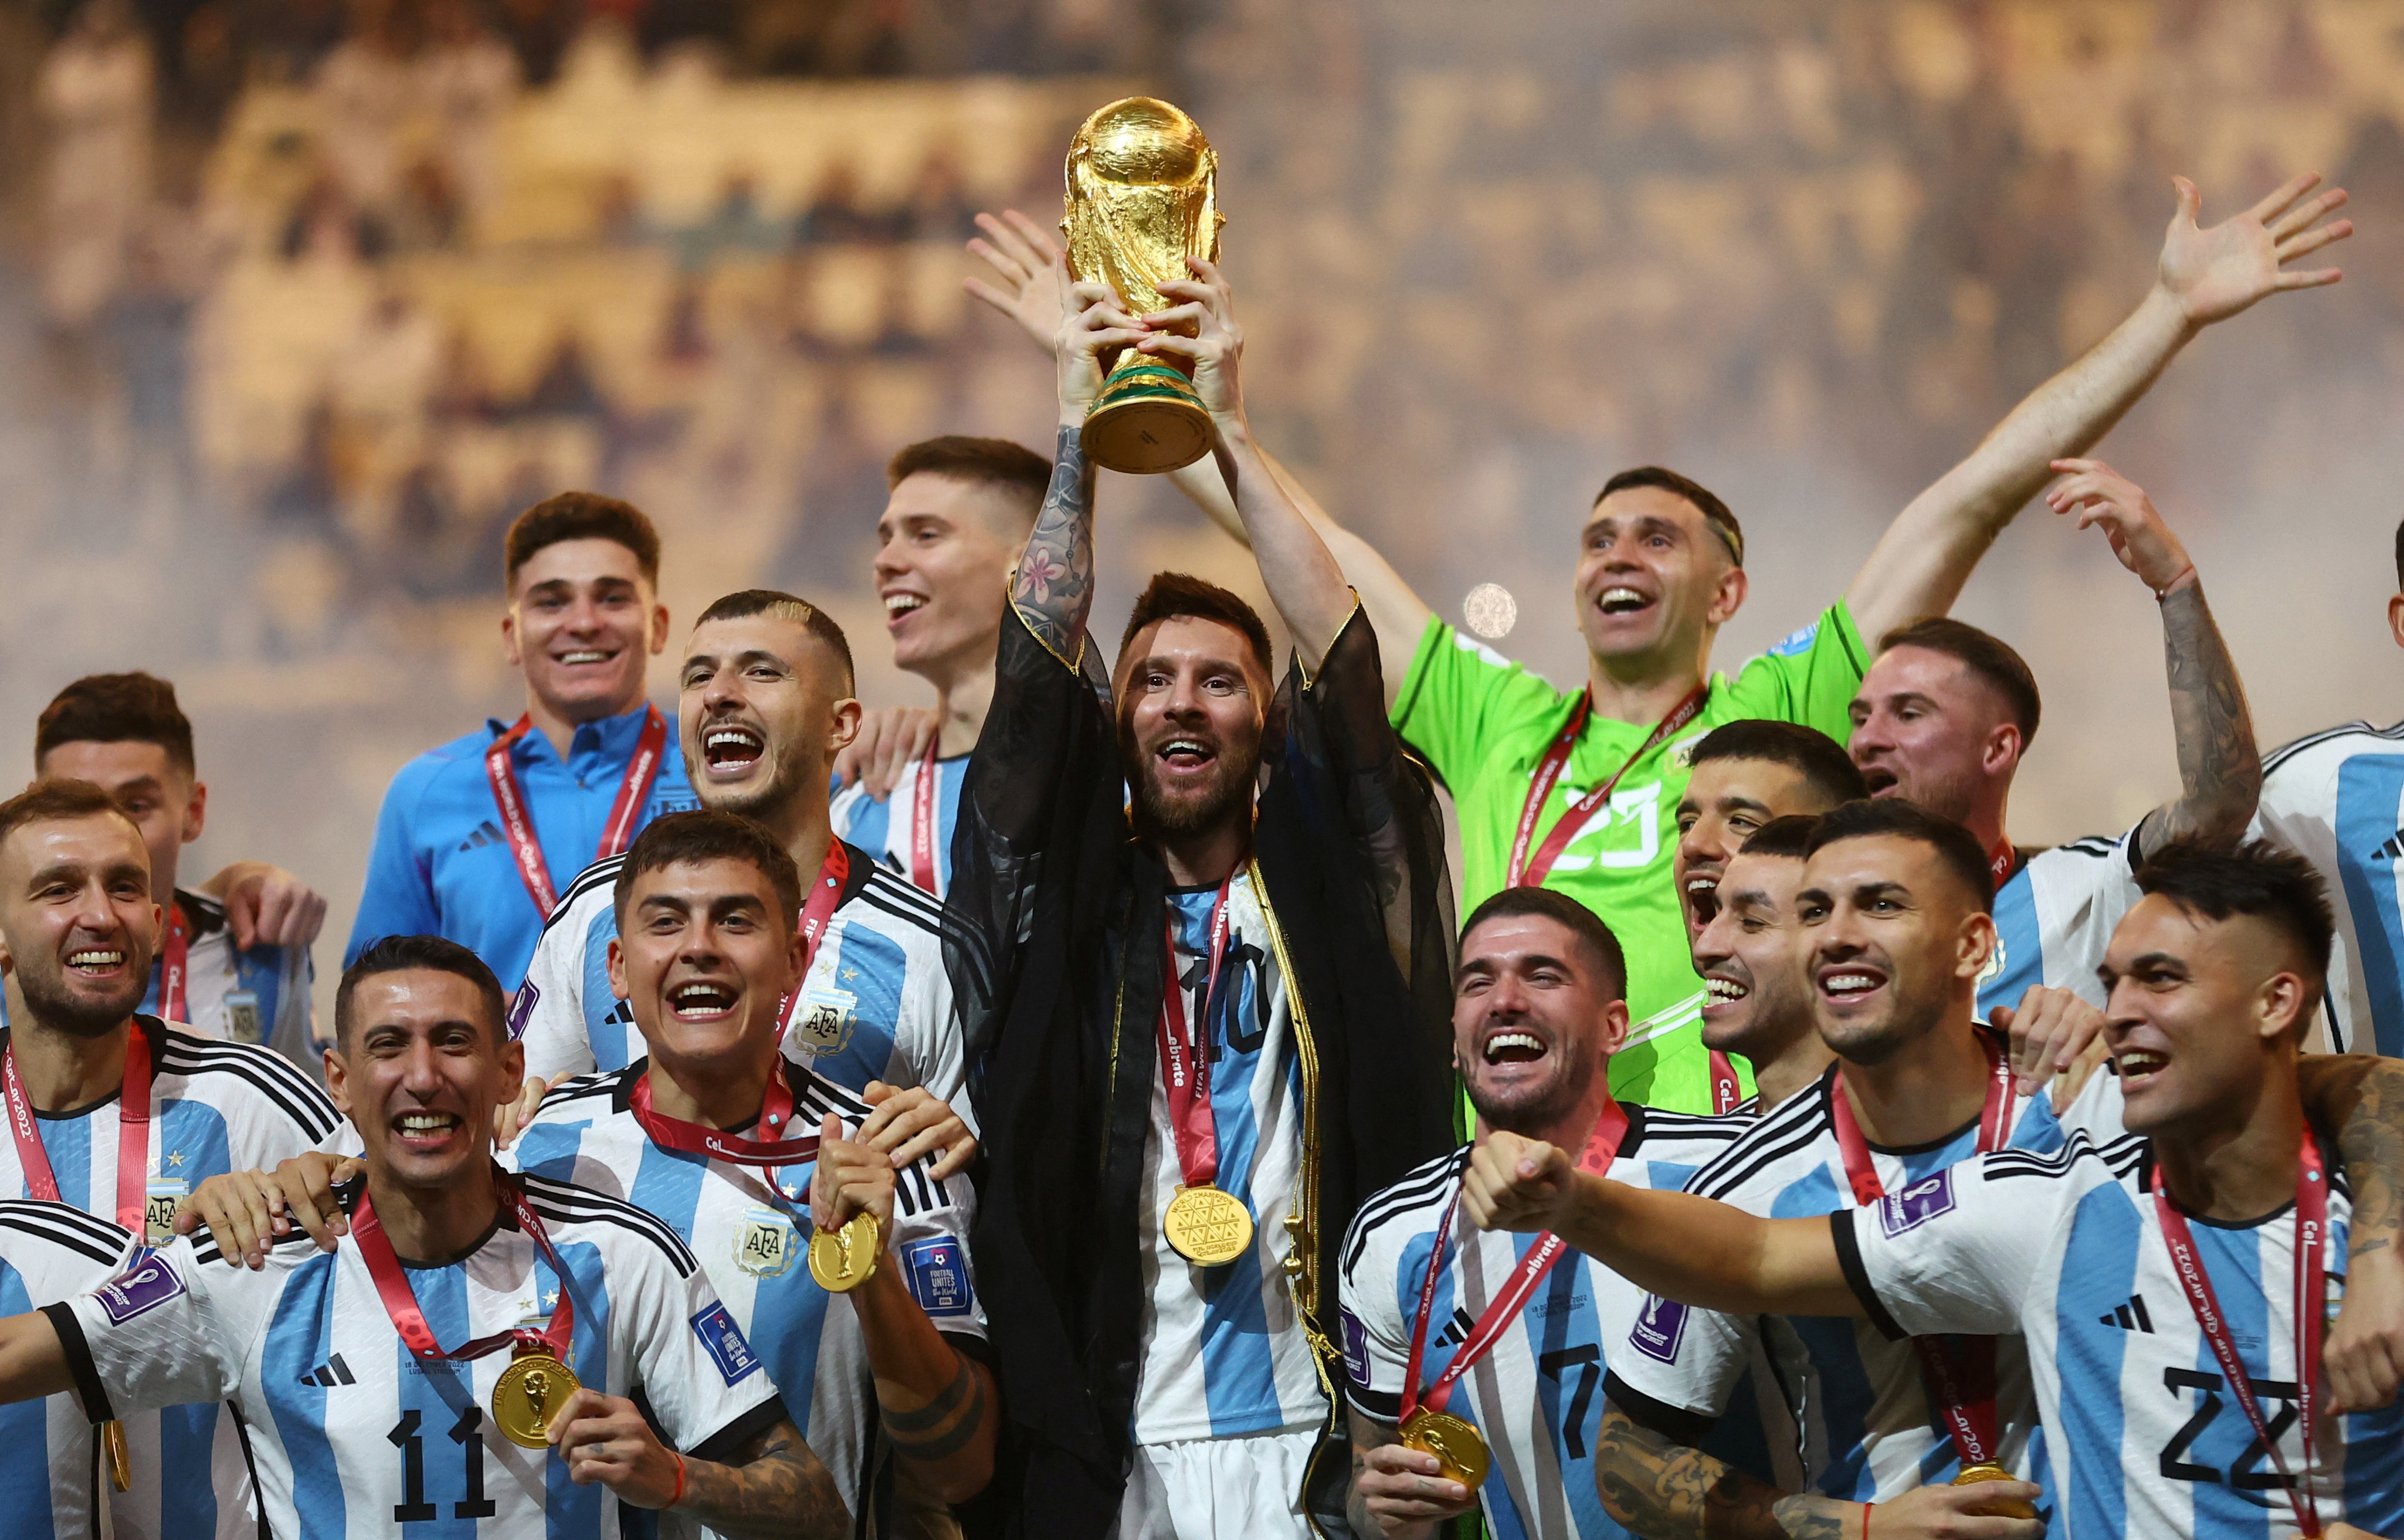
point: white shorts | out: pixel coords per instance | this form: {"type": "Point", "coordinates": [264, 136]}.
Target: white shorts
{"type": "Point", "coordinates": [1218, 1488]}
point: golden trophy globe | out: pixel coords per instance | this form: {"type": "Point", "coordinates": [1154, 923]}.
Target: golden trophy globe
{"type": "Point", "coordinates": [1141, 197]}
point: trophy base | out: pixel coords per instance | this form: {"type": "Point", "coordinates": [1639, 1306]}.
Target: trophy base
{"type": "Point", "coordinates": [1146, 421]}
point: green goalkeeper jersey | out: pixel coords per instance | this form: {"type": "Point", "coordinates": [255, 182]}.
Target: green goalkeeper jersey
{"type": "Point", "coordinates": [1484, 722]}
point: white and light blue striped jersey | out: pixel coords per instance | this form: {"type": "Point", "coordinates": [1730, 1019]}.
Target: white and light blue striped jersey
{"type": "Point", "coordinates": [1537, 1397]}
{"type": "Point", "coordinates": [2337, 799]}
{"type": "Point", "coordinates": [877, 1003]}
{"type": "Point", "coordinates": [1864, 1425]}
{"type": "Point", "coordinates": [2055, 916]}
{"type": "Point", "coordinates": [348, 1435]}
{"type": "Point", "coordinates": [52, 1485]}
{"type": "Point", "coordinates": [750, 1238]}
{"type": "Point", "coordinates": [257, 995]}
{"type": "Point", "coordinates": [2145, 1440]}
{"type": "Point", "coordinates": [885, 829]}
{"type": "Point", "coordinates": [1223, 1349]}
{"type": "Point", "coordinates": [215, 1107]}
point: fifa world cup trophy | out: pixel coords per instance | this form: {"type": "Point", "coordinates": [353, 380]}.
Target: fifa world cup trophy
{"type": "Point", "coordinates": [1141, 198]}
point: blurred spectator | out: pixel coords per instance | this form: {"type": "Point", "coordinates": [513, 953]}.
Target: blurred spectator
{"type": "Point", "coordinates": [938, 207]}
{"type": "Point", "coordinates": [95, 91]}
{"type": "Point", "coordinates": [470, 79]}
{"type": "Point", "coordinates": [538, 33]}
{"type": "Point", "coordinates": [566, 387]}
{"type": "Point", "coordinates": [365, 89]}
{"type": "Point", "coordinates": [835, 216]}
{"type": "Point", "coordinates": [288, 39]}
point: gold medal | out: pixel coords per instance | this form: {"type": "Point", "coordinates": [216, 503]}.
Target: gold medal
{"type": "Point", "coordinates": [1458, 1448]}
{"type": "Point", "coordinates": [121, 1459]}
{"type": "Point", "coordinates": [2001, 1508]}
{"type": "Point", "coordinates": [1209, 1226]}
{"type": "Point", "coordinates": [843, 1258]}
{"type": "Point", "coordinates": [528, 1395]}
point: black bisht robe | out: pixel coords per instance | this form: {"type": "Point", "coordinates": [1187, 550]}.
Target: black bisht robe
{"type": "Point", "coordinates": [1048, 881]}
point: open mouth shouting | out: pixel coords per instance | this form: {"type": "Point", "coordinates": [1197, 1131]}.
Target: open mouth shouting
{"type": "Point", "coordinates": [1184, 755]}
{"type": "Point", "coordinates": [700, 1000]}
{"type": "Point", "coordinates": [732, 749]}
{"type": "Point", "coordinates": [1620, 599]}
{"type": "Point", "coordinates": [1702, 896]}
{"type": "Point", "coordinates": [1850, 983]}
{"type": "Point", "coordinates": [2139, 1066]}
{"type": "Point", "coordinates": [1512, 1044]}
{"type": "Point", "coordinates": [899, 605]}
{"type": "Point", "coordinates": [1881, 780]}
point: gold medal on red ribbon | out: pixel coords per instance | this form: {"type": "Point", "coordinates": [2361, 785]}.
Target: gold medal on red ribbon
{"type": "Point", "coordinates": [528, 1395]}
{"type": "Point", "coordinates": [843, 1258]}
{"type": "Point", "coordinates": [1208, 1226]}
{"type": "Point", "coordinates": [1460, 1449]}
{"type": "Point", "coordinates": [2001, 1507]}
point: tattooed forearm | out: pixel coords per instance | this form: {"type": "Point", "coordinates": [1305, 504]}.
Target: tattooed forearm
{"type": "Point", "coordinates": [1666, 1491]}
{"type": "Point", "coordinates": [774, 1489]}
{"type": "Point", "coordinates": [2360, 1100]}
{"type": "Point", "coordinates": [946, 1426]}
{"type": "Point", "coordinates": [1356, 1503]}
{"type": "Point", "coordinates": [2220, 774]}
{"type": "Point", "coordinates": [1053, 585]}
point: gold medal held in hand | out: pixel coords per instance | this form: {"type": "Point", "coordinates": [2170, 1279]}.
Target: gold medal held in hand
{"type": "Point", "coordinates": [843, 1258]}
{"type": "Point", "coordinates": [2001, 1507]}
{"type": "Point", "coordinates": [1460, 1449]}
{"type": "Point", "coordinates": [1208, 1226]}
{"type": "Point", "coordinates": [528, 1395]}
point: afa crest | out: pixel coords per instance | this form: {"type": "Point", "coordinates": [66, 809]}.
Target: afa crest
{"type": "Point", "coordinates": [766, 1244]}
{"type": "Point", "coordinates": [823, 1020]}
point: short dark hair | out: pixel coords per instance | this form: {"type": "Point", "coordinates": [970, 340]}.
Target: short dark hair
{"type": "Point", "coordinates": [704, 835]}
{"type": "Point", "coordinates": [1788, 838]}
{"type": "Point", "coordinates": [980, 462]}
{"type": "Point", "coordinates": [56, 800]}
{"type": "Point", "coordinates": [1982, 653]}
{"type": "Point", "coordinates": [117, 708]}
{"type": "Point", "coordinates": [1819, 758]}
{"type": "Point", "coordinates": [1581, 922]}
{"type": "Point", "coordinates": [2257, 879]}
{"type": "Point", "coordinates": [419, 954]}
{"type": "Point", "coordinates": [1170, 595]}
{"type": "Point", "coordinates": [746, 603]}
{"type": "Point", "coordinates": [1706, 501]}
{"type": "Point", "coordinates": [1893, 816]}
{"type": "Point", "coordinates": [582, 516]}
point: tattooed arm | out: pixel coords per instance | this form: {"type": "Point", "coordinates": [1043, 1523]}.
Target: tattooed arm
{"type": "Point", "coordinates": [1053, 585]}
{"type": "Point", "coordinates": [2360, 1100]}
{"type": "Point", "coordinates": [771, 1487]}
{"type": "Point", "coordinates": [2220, 774]}
{"type": "Point", "coordinates": [1396, 1492]}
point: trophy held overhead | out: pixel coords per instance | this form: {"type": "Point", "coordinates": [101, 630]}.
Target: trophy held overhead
{"type": "Point", "coordinates": [1142, 196]}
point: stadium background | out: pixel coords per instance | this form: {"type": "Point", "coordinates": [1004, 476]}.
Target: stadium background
{"type": "Point", "coordinates": [301, 301]}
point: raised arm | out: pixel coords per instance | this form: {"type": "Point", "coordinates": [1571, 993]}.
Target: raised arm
{"type": "Point", "coordinates": [1053, 588]}
{"type": "Point", "coordinates": [1673, 1244]}
{"type": "Point", "coordinates": [2205, 275]}
{"type": "Point", "coordinates": [1021, 255]}
{"type": "Point", "coordinates": [2221, 772]}
{"type": "Point", "coordinates": [2359, 1097]}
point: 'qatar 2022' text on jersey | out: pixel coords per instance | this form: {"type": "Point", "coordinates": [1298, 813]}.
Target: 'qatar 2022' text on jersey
{"type": "Point", "coordinates": [1863, 1422]}
{"type": "Point", "coordinates": [441, 864]}
{"type": "Point", "coordinates": [349, 1434]}
{"type": "Point", "coordinates": [750, 1238]}
{"type": "Point", "coordinates": [877, 1003]}
{"type": "Point", "coordinates": [51, 1481]}
{"type": "Point", "coordinates": [2337, 799]}
{"type": "Point", "coordinates": [2054, 918]}
{"type": "Point", "coordinates": [1537, 1397]}
{"type": "Point", "coordinates": [888, 830]}
{"type": "Point", "coordinates": [2145, 1440]}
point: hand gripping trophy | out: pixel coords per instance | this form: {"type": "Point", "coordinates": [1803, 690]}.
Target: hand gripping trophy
{"type": "Point", "coordinates": [1141, 197]}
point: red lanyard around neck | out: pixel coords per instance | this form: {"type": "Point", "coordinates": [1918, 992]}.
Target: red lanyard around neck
{"type": "Point", "coordinates": [826, 894]}
{"type": "Point", "coordinates": [672, 1133]}
{"type": "Point", "coordinates": [1958, 1373]}
{"type": "Point", "coordinates": [132, 1133]}
{"type": "Point", "coordinates": [2311, 1283]}
{"type": "Point", "coordinates": [1601, 1149]}
{"type": "Point", "coordinates": [517, 819]}
{"type": "Point", "coordinates": [2002, 861]}
{"type": "Point", "coordinates": [400, 1300]}
{"type": "Point", "coordinates": [175, 954]}
{"type": "Point", "coordinates": [926, 804]}
{"type": "Point", "coordinates": [1529, 871]}
{"type": "Point", "coordinates": [1185, 1054]}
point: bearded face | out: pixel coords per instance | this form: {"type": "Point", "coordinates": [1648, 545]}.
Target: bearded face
{"type": "Point", "coordinates": [1191, 698]}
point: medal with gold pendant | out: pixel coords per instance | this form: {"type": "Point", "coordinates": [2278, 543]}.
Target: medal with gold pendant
{"type": "Point", "coordinates": [530, 1391]}
{"type": "Point", "coordinates": [1204, 1223]}
{"type": "Point", "coordinates": [843, 1258]}
{"type": "Point", "coordinates": [1460, 1449]}
{"type": "Point", "coordinates": [1209, 1227]}
{"type": "Point", "coordinates": [2001, 1507]}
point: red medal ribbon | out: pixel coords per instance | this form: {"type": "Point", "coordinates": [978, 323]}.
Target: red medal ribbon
{"type": "Point", "coordinates": [2002, 861]}
{"type": "Point", "coordinates": [832, 875]}
{"type": "Point", "coordinates": [1601, 1149]}
{"type": "Point", "coordinates": [1958, 1373]}
{"type": "Point", "coordinates": [1524, 871]}
{"type": "Point", "coordinates": [926, 802]}
{"type": "Point", "coordinates": [2311, 1282]}
{"type": "Point", "coordinates": [1185, 1054]}
{"type": "Point", "coordinates": [175, 948]}
{"type": "Point", "coordinates": [517, 821]}
{"type": "Point", "coordinates": [400, 1300]}
{"type": "Point", "coordinates": [672, 1133]}
{"type": "Point", "coordinates": [1726, 1092]}
{"type": "Point", "coordinates": [132, 1133]}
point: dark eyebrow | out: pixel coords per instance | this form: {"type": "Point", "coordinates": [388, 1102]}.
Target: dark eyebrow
{"type": "Point", "coordinates": [1749, 898]}
{"type": "Point", "coordinates": [676, 903]}
{"type": "Point", "coordinates": [1633, 524]}
{"type": "Point", "coordinates": [729, 903]}
{"type": "Point", "coordinates": [1864, 892]}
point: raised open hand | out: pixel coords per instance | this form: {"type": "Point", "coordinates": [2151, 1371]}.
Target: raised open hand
{"type": "Point", "coordinates": [1201, 329]}
{"type": "Point", "coordinates": [2214, 272]}
{"type": "Point", "coordinates": [2099, 495]}
{"type": "Point", "coordinates": [1021, 253]}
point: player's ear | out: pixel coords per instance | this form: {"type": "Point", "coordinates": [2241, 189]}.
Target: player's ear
{"type": "Point", "coordinates": [1728, 596]}
{"type": "Point", "coordinates": [2281, 1005]}
{"type": "Point", "coordinates": [617, 969]}
{"type": "Point", "coordinates": [1614, 1027]}
{"type": "Point", "coordinates": [843, 725]}
{"type": "Point", "coordinates": [659, 629]}
{"type": "Point", "coordinates": [196, 812]}
{"type": "Point", "coordinates": [509, 636]}
{"type": "Point", "coordinates": [512, 1063]}
{"type": "Point", "coordinates": [1976, 945]}
{"type": "Point", "coordinates": [338, 1075]}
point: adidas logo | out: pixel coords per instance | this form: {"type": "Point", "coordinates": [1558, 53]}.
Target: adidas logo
{"type": "Point", "coordinates": [1457, 1329]}
{"type": "Point", "coordinates": [2392, 849]}
{"type": "Point", "coordinates": [483, 835]}
{"type": "Point", "coordinates": [330, 1374]}
{"type": "Point", "coordinates": [2131, 1317]}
